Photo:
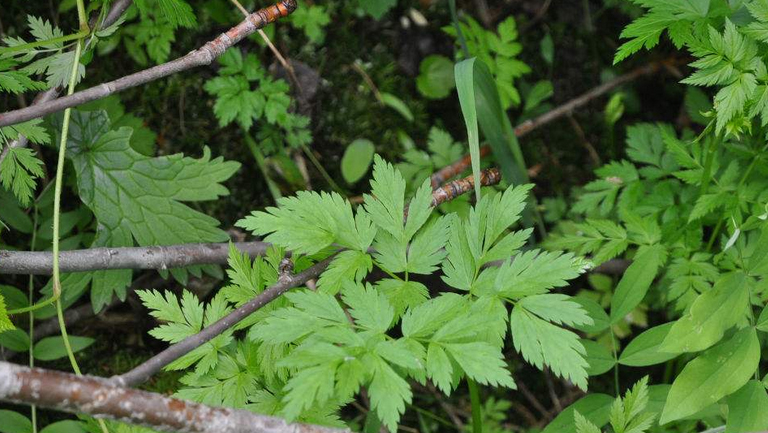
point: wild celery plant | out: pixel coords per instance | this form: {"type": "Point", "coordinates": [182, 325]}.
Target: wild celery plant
{"type": "Point", "coordinates": [310, 353]}
{"type": "Point", "coordinates": [690, 209]}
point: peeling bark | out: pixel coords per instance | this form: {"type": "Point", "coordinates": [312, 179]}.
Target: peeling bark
{"type": "Point", "coordinates": [101, 398]}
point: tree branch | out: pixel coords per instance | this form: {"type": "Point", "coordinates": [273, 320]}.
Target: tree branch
{"type": "Point", "coordinates": [159, 257]}
{"type": "Point", "coordinates": [99, 397]}
{"type": "Point", "coordinates": [176, 256]}
{"type": "Point", "coordinates": [202, 56]}
{"type": "Point", "coordinates": [442, 175]}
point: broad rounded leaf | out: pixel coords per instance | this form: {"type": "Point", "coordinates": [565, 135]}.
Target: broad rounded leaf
{"type": "Point", "coordinates": [356, 160]}
{"type": "Point", "coordinates": [748, 409]}
{"type": "Point", "coordinates": [14, 422]}
{"type": "Point", "coordinates": [51, 348]}
{"type": "Point", "coordinates": [596, 312]}
{"type": "Point", "coordinates": [716, 373]}
{"type": "Point", "coordinates": [594, 407]}
{"type": "Point", "coordinates": [644, 349]}
{"type": "Point", "coordinates": [15, 339]}
{"type": "Point", "coordinates": [600, 359]}
{"type": "Point", "coordinates": [67, 426]}
{"type": "Point", "coordinates": [636, 281]}
{"type": "Point", "coordinates": [435, 79]}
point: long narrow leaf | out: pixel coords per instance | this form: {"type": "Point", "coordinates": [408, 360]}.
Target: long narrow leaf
{"type": "Point", "coordinates": [465, 84]}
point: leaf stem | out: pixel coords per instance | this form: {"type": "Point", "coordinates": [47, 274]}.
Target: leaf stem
{"type": "Point", "coordinates": [706, 176]}
{"type": "Point", "coordinates": [477, 407]}
{"type": "Point", "coordinates": [57, 211]}
{"type": "Point", "coordinates": [31, 288]}
{"type": "Point", "coordinates": [82, 18]}
{"type": "Point", "coordinates": [27, 46]}
{"type": "Point", "coordinates": [615, 363]}
{"type": "Point", "coordinates": [459, 33]}
{"type": "Point", "coordinates": [258, 155]}
{"type": "Point", "coordinates": [322, 171]}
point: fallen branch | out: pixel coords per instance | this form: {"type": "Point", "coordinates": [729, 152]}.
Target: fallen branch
{"type": "Point", "coordinates": [442, 175]}
{"type": "Point", "coordinates": [202, 56]}
{"type": "Point", "coordinates": [117, 9]}
{"type": "Point", "coordinates": [176, 256]}
{"type": "Point", "coordinates": [287, 282]}
{"type": "Point", "coordinates": [159, 257]}
{"type": "Point", "coordinates": [98, 397]}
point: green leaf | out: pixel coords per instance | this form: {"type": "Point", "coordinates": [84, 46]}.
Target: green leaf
{"type": "Point", "coordinates": [482, 362]}
{"type": "Point", "coordinates": [403, 295]}
{"type": "Point", "coordinates": [583, 425]}
{"type": "Point", "coordinates": [465, 84]}
{"type": "Point", "coordinates": [594, 407]}
{"type": "Point", "coordinates": [5, 321]}
{"type": "Point", "coordinates": [177, 12]}
{"type": "Point", "coordinates": [389, 393]}
{"type": "Point", "coordinates": [14, 422]}
{"type": "Point", "coordinates": [313, 19]}
{"type": "Point", "coordinates": [397, 104]}
{"type": "Point", "coordinates": [426, 251]}
{"type": "Point", "coordinates": [377, 9]}
{"type": "Point", "coordinates": [66, 426]}
{"type": "Point", "coordinates": [762, 321]}
{"type": "Point", "coordinates": [542, 343]}
{"type": "Point", "coordinates": [716, 373]}
{"type": "Point", "coordinates": [436, 77]}
{"type": "Point", "coordinates": [369, 307]}
{"type": "Point", "coordinates": [636, 280]}
{"type": "Point", "coordinates": [135, 197]}
{"type": "Point", "coordinates": [556, 308]}
{"type": "Point", "coordinates": [348, 265]}
{"type": "Point", "coordinates": [50, 348]}
{"type": "Point", "coordinates": [311, 222]}
{"type": "Point", "coordinates": [645, 349]}
{"type": "Point", "coordinates": [15, 339]}
{"type": "Point", "coordinates": [19, 171]}
{"type": "Point", "coordinates": [356, 160]}
{"type": "Point", "coordinates": [535, 272]}
{"type": "Point", "coordinates": [600, 320]}
{"type": "Point", "coordinates": [748, 409]}
{"type": "Point", "coordinates": [599, 358]}
{"type": "Point", "coordinates": [711, 314]}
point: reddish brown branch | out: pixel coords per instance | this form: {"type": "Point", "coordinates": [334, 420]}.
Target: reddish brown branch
{"type": "Point", "coordinates": [442, 175]}
{"type": "Point", "coordinates": [97, 396]}
{"type": "Point", "coordinates": [451, 190]}
{"type": "Point", "coordinates": [202, 56]}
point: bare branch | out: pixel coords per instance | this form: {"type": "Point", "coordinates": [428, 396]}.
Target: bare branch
{"type": "Point", "coordinates": [159, 257]}
{"type": "Point", "coordinates": [202, 56]}
{"type": "Point", "coordinates": [153, 365]}
{"type": "Point", "coordinates": [101, 398]}
{"type": "Point", "coordinates": [442, 175]}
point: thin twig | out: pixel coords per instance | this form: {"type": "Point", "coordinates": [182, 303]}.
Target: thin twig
{"type": "Point", "coordinates": [288, 67]}
{"type": "Point", "coordinates": [441, 176]}
{"type": "Point", "coordinates": [99, 397]}
{"type": "Point", "coordinates": [202, 56]}
{"type": "Point", "coordinates": [584, 141]}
